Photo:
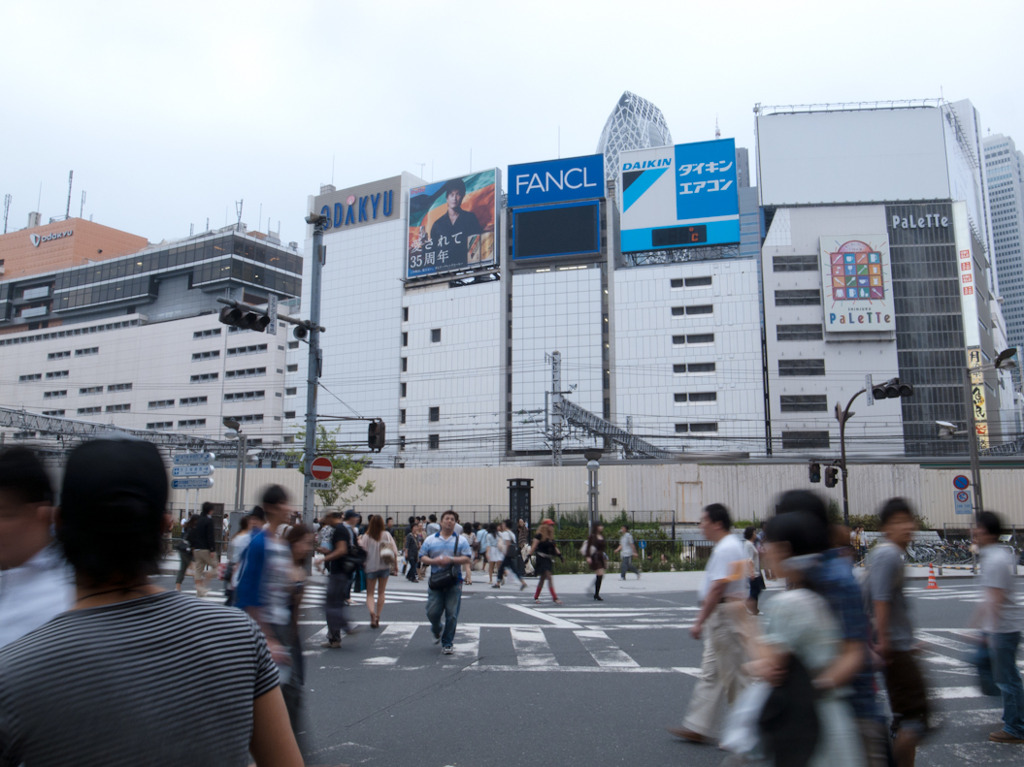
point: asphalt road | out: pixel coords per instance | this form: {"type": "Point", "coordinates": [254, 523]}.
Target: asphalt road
{"type": "Point", "coordinates": [575, 684]}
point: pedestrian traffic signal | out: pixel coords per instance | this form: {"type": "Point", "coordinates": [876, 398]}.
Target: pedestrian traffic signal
{"type": "Point", "coordinates": [892, 389]}
{"type": "Point", "coordinates": [831, 476]}
{"type": "Point", "coordinates": [815, 472]}
{"type": "Point", "coordinates": [375, 436]}
{"type": "Point", "coordinates": [245, 320]}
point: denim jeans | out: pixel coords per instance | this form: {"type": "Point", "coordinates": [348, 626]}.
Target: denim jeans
{"type": "Point", "coordinates": [338, 590]}
{"type": "Point", "coordinates": [446, 602]}
{"type": "Point", "coordinates": [1003, 650]}
{"type": "Point", "coordinates": [626, 566]}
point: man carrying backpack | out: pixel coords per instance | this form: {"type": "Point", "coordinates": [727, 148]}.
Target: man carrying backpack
{"type": "Point", "coordinates": [341, 562]}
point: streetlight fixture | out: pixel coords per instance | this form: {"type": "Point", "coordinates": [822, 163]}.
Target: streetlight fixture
{"type": "Point", "coordinates": [891, 389]}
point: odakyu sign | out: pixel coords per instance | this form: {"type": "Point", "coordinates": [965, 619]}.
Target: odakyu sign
{"type": "Point", "coordinates": [563, 180]}
{"type": "Point", "coordinates": [679, 196]}
{"type": "Point", "coordinates": [856, 283]}
{"type": "Point", "coordinates": [362, 205]}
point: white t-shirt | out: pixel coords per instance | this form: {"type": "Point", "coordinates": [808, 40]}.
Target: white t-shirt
{"type": "Point", "coordinates": [720, 565]}
{"type": "Point", "coordinates": [998, 572]}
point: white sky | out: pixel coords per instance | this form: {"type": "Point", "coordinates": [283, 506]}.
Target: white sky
{"type": "Point", "coordinates": [169, 113]}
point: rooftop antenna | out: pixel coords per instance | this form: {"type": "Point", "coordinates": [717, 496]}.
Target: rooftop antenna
{"type": "Point", "coordinates": [7, 208]}
{"type": "Point", "coordinates": [422, 166]}
{"type": "Point", "coordinates": [67, 212]}
{"type": "Point", "coordinates": [81, 208]}
{"type": "Point", "coordinates": [207, 223]}
{"type": "Point", "coordinates": [718, 132]}
{"type": "Point", "coordinates": [238, 209]}
{"type": "Point", "coordinates": [39, 199]}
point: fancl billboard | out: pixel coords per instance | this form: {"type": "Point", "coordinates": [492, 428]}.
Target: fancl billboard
{"type": "Point", "coordinates": [451, 225]}
{"type": "Point", "coordinates": [679, 197]}
{"type": "Point", "coordinates": [564, 180]}
{"type": "Point", "coordinates": [857, 283]}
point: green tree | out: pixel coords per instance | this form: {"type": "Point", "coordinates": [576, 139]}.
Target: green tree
{"type": "Point", "coordinates": [345, 488]}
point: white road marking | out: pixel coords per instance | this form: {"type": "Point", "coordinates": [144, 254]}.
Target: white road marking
{"type": "Point", "coordinates": [532, 649]}
{"type": "Point", "coordinates": [389, 644]}
{"type": "Point", "coordinates": [553, 620]}
{"type": "Point", "coordinates": [604, 650]}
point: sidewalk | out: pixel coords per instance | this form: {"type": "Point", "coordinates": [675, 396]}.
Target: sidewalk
{"type": "Point", "coordinates": [652, 583]}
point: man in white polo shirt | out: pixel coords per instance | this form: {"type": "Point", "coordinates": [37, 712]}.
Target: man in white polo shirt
{"type": "Point", "coordinates": [721, 596]}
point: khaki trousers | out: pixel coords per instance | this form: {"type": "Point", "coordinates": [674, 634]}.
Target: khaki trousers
{"type": "Point", "coordinates": [721, 675]}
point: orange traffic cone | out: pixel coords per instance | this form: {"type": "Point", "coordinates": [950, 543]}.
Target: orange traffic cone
{"type": "Point", "coordinates": [932, 583]}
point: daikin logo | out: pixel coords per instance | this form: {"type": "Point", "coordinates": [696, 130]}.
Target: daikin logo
{"type": "Point", "coordinates": [36, 240]}
{"type": "Point", "coordinates": [664, 162]}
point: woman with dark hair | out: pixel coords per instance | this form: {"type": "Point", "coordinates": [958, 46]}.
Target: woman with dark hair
{"type": "Point", "coordinates": [801, 643]}
{"type": "Point", "coordinates": [545, 550]}
{"type": "Point", "coordinates": [116, 697]}
{"type": "Point", "coordinates": [597, 559]}
{"type": "Point", "coordinates": [381, 561]}
{"type": "Point", "coordinates": [184, 550]}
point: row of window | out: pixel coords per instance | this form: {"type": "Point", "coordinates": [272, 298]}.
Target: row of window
{"type": "Point", "coordinates": [696, 428]}
{"type": "Point", "coordinates": [435, 334]}
{"type": "Point", "coordinates": [696, 396]}
{"type": "Point", "coordinates": [691, 282]}
{"type": "Point", "coordinates": [236, 396]}
{"type": "Point", "coordinates": [694, 338]}
{"type": "Point", "coordinates": [78, 353]}
{"type": "Point", "coordinates": [123, 408]}
{"type": "Point", "coordinates": [207, 333]}
{"type": "Point", "coordinates": [251, 349]}
{"type": "Point", "coordinates": [690, 311]}
{"type": "Point", "coordinates": [76, 331]}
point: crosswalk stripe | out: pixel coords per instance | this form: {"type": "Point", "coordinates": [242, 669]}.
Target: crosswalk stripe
{"type": "Point", "coordinates": [390, 643]}
{"type": "Point", "coordinates": [531, 646]}
{"type": "Point", "coordinates": [604, 650]}
{"type": "Point", "coordinates": [949, 644]}
{"type": "Point", "coordinates": [467, 641]}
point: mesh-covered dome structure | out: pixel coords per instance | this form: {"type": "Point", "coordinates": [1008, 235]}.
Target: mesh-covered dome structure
{"type": "Point", "coordinates": [635, 123]}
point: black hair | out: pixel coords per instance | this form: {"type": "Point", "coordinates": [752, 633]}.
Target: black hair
{"type": "Point", "coordinates": [112, 510]}
{"type": "Point", "coordinates": [717, 513]}
{"type": "Point", "coordinates": [433, 517]}
{"type": "Point", "coordinates": [23, 476]}
{"type": "Point", "coordinates": [802, 500]}
{"type": "Point", "coordinates": [449, 511]}
{"type": "Point", "coordinates": [749, 532]}
{"type": "Point", "coordinates": [989, 522]}
{"type": "Point", "coordinates": [803, 531]}
{"type": "Point", "coordinates": [891, 508]}
{"type": "Point", "coordinates": [259, 513]}
{"type": "Point", "coordinates": [274, 495]}
{"type": "Point", "coordinates": [207, 507]}
{"type": "Point", "coordinates": [455, 185]}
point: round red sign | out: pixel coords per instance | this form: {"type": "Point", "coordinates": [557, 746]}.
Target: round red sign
{"type": "Point", "coordinates": [321, 468]}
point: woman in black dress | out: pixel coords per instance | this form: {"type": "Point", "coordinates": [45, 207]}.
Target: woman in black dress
{"type": "Point", "coordinates": [597, 559]}
{"type": "Point", "coordinates": [545, 550]}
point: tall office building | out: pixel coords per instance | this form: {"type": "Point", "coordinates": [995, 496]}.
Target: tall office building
{"type": "Point", "coordinates": [877, 261]}
{"type": "Point", "coordinates": [635, 123]}
{"type": "Point", "coordinates": [1004, 169]}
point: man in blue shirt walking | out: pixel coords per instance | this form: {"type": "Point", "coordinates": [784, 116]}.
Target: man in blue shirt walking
{"type": "Point", "coordinates": [441, 550]}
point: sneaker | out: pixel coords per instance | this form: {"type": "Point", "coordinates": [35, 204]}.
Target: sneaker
{"type": "Point", "coordinates": [332, 644]}
{"type": "Point", "coordinates": [437, 637]}
{"type": "Point", "coordinates": [496, 586]}
{"type": "Point", "coordinates": [1002, 736]}
{"type": "Point", "coordinates": [448, 649]}
{"type": "Point", "coordinates": [522, 585]}
{"type": "Point", "coordinates": [690, 735]}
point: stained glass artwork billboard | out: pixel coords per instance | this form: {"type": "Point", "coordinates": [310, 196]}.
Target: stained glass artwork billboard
{"type": "Point", "coordinates": [856, 283]}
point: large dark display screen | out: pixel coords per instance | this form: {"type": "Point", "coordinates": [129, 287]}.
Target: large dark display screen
{"type": "Point", "coordinates": [556, 230]}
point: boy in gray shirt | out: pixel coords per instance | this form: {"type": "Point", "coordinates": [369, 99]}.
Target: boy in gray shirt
{"type": "Point", "coordinates": [894, 636]}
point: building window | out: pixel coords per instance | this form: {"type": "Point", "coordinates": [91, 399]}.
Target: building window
{"type": "Point", "coordinates": [87, 352]}
{"type": "Point", "coordinates": [291, 391]}
{"type": "Point", "coordinates": [795, 264]}
{"type": "Point", "coordinates": [401, 389]}
{"type": "Point", "coordinates": [405, 338]}
{"type": "Point", "coordinates": [53, 412]}
{"type": "Point", "coordinates": [405, 364]}
{"type": "Point", "coordinates": [401, 442]}
{"type": "Point", "coordinates": [55, 394]}
{"type": "Point", "coordinates": [798, 332]}
{"type": "Point", "coordinates": [804, 440]}
{"type": "Point", "coordinates": [120, 387]}
{"type": "Point", "coordinates": [401, 415]}
{"type": "Point", "coordinates": [801, 367]}
{"type": "Point", "coordinates": [91, 390]}
{"type": "Point", "coordinates": [206, 333]}
{"type": "Point", "coordinates": [803, 403]}
{"type": "Point", "coordinates": [202, 377]}
{"type": "Point", "coordinates": [435, 414]}
{"type": "Point", "coordinates": [700, 338]}
{"type": "Point", "coordinates": [89, 410]}
{"type": "Point", "coordinates": [31, 377]}
{"type": "Point", "coordinates": [210, 355]}
{"type": "Point", "coordinates": [191, 423]}
{"type": "Point", "coordinates": [160, 425]}
{"type": "Point", "coordinates": [250, 349]}
{"type": "Point", "coordinates": [405, 314]}
{"type": "Point", "coordinates": [682, 428]}
{"type": "Point", "coordinates": [186, 401]}
{"type": "Point", "coordinates": [293, 344]}
{"type": "Point", "coordinates": [58, 355]}
{"type": "Point", "coordinates": [703, 428]}
{"type": "Point", "coordinates": [57, 374]}
{"type": "Point", "coordinates": [694, 367]}
{"type": "Point", "coordinates": [158, 403]}
{"type": "Point", "coordinates": [247, 372]}
{"type": "Point", "coordinates": [797, 297]}
{"type": "Point", "coordinates": [124, 408]}
{"type": "Point", "coordinates": [289, 413]}
{"type": "Point", "coordinates": [433, 441]}
{"type": "Point", "coordinates": [244, 395]}
{"type": "Point", "coordinates": [697, 282]}
{"type": "Point", "coordinates": [690, 311]}
{"type": "Point", "coordinates": [703, 396]}
{"type": "Point", "coordinates": [293, 368]}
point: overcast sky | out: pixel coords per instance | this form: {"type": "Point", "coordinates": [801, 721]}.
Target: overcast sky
{"type": "Point", "coordinates": [169, 113]}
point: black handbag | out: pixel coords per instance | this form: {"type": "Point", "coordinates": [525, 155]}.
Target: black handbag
{"type": "Point", "coordinates": [446, 577]}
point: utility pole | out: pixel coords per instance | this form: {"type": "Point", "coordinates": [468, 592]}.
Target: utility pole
{"type": "Point", "coordinates": [555, 358]}
{"type": "Point", "coordinates": [319, 224]}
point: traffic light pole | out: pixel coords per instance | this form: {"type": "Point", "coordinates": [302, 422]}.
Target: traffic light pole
{"type": "Point", "coordinates": [843, 416]}
{"type": "Point", "coordinates": [319, 223]}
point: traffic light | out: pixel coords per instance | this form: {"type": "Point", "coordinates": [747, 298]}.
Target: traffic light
{"type": "Point", "coordinates": [245, 320]}
{"type": "Point", "coordinates": [815, 472]}
{"type": "Point", "coordinates": [892, 389]}
{"type": "Point", "coordinates": [831, 476]}
{"type": "Point", "coordinates": [375, 436]}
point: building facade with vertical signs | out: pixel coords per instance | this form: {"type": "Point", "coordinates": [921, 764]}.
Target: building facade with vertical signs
{"type": "Point", "coordinates": [877, 261]}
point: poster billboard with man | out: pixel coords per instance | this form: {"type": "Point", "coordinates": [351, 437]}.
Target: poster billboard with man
{"type": "Point", "coordinates": [451, 225]}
